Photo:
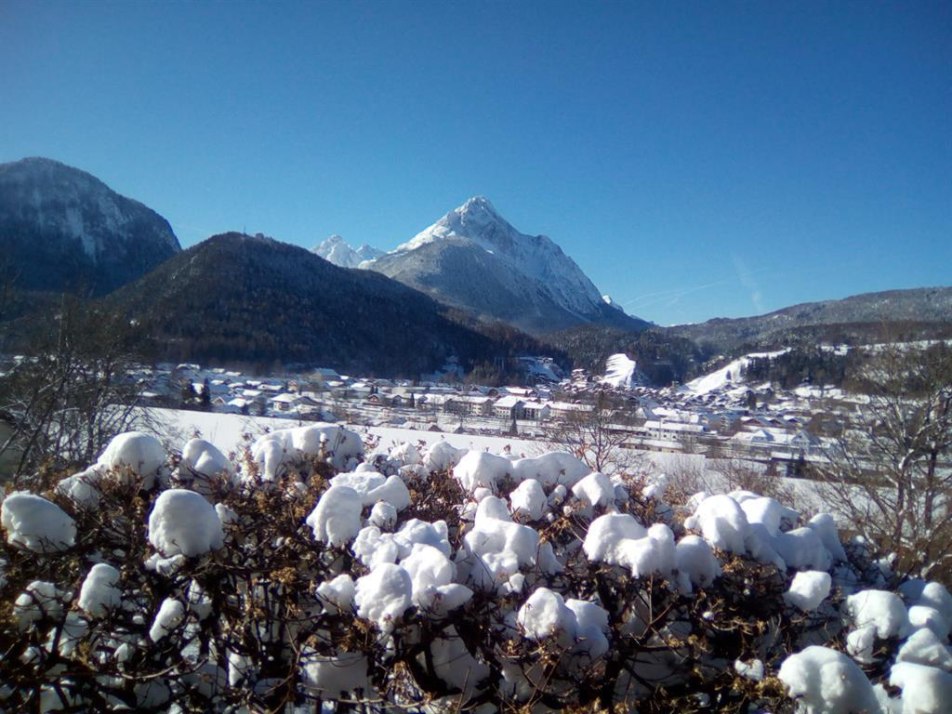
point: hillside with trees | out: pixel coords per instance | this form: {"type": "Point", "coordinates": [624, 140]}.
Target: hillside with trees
{"type": "Point", "coordinates": [235, 297]}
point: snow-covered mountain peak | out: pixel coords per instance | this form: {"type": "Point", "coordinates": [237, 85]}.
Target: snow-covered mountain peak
{"type": "Point", "coordinates": [480, 211]}
{"type": "Point", "coordinates": [474, 258]}
{"type": "Point", "coordinates": [339, 252]}
{"type": "Point", "coordinates": [476, 221]}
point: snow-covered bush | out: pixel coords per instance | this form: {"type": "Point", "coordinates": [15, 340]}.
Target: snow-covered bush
{"type": "Point", "coordinates": [443, 581]}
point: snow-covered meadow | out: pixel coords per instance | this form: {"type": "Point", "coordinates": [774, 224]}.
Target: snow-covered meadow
{"type": "Point", "coordinates": [306, 570]}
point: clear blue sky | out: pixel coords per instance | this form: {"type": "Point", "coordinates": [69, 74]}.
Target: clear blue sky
{"type": "Point", "coordinates": [696, 159]}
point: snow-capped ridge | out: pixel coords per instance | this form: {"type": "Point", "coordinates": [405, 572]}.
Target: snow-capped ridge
{"type": "Point", "coordinates": [339, 252]}
{"type": "Point", "coordinates": [475, 259]}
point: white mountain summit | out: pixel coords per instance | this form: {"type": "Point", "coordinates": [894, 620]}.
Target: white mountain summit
{"type": "Point", "coordinates": [337, 251]}
{"type": "Point", "coordinates": [474, 259]}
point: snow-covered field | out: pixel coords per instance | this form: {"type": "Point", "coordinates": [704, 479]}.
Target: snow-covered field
{"type": "Point", "coordinates": [226, 432]}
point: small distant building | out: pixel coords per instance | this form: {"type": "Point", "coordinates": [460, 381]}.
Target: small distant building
{"type": "Point", "coordinates": [671, 430]}
{"type": "Point", "coordinates": [325, 374]}
{"type": "Point", "coordinates": [536, 411]}
{"type": "Point", "coordinates": [509, 407]}
{"type": "Point", "coordinates": [283, 402]}
{"type": "Point", "coordinates": [471, 406]}
{"type": "Point", "coordinates": [568, 410]}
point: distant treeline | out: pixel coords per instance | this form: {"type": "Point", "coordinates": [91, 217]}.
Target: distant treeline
{"type": "Point", "coordinates": [803, 365]}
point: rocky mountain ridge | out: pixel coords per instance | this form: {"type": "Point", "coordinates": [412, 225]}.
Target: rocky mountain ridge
{"type": "Point", "coordinates": [64, 229]}
{"type": "Point", "coordinates": [475, 260]}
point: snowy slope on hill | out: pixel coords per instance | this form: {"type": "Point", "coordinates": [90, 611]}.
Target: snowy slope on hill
{"type": "Point", "coordinates": [621, 372]}
{"type": "Point", "coordinates": [725, 376]}
{"type": "Point", "coordinates": [337, 251]}
{"type": "Point", "coordinates": [474, 259]}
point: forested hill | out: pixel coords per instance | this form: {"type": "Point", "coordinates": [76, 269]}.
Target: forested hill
{"type": "Point", "coordinates": [680, 353]}
{"type": "Point", "coordinates": [888, 316]}
{"type": "Point", "coordinates": [237, 297]}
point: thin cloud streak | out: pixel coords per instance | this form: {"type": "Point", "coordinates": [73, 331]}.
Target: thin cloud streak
{"type": "Point", "coordinates": [746, 277]}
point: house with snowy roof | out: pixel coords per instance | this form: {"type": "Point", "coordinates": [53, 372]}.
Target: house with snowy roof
{"type": "Point", "coordinates": [472, 406]}
{"type": "Point", "coordinates": [283, 402]}
{"type": "Point", "coordinates": [536, 411]}
{"type": "Point", "coordinates": [508, 407]}
{"type": "Point", "coordinates": [671, 430]}
{"type": "Point", "coordinates": [757, 438]}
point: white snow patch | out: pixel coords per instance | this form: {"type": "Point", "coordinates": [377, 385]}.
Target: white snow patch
{"type": "Point", "coordinates": [925, 647]}
{"type": "Point", "coordinates": [695, 563]}
{"type": "Point", "coordinates": [384, 595]}
{"type": "Point", "coordinates": [135, 450]}
{"type": "Point", "coordinates": [726, 375]}
{"type": "Point", "coordinates": [620, 372]}
{"type": "Point", "coordinates": [337, 595]}
{"type": "Point", "coordinates": [39, 600]}
{"type": "Point", "coordinates": [544, 615]}
{"type": "Point", "coordinates": [827, 682]}
{"type": "Point", "coordinates": [596, 489]}
{"type": "Point", "coordinates": [551, 469]}
{"type": "Point", "coordinates": [335, 519]}
{"type": "Point", "coordinates": [722, 523]}
{"type": "Point", "coordinates": [183, 522]}
{"type": "Point", "coordinates": [528, 500]}
{"type": "Point", "coordinates": [99, 594]}
{"type": "Point", "coordinates": [337, 674]}
{"type": "Point", "coordinates": [808, 589]}
{"type": "Point", "coordinates": [880, 609]}
{"type": "Point", "coordinates": [479, 469]}
{"type": "Point", "coordinates": [36, 524]}
{"type": "Point", "coordinates": [925, 690]}
{"type": "Point", "coordinates": [170, 615]}
{"type": "Point", "coordinates": [282, 449]}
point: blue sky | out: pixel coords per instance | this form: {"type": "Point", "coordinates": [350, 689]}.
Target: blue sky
{"type": "Point", "coordinates": [696, 159]}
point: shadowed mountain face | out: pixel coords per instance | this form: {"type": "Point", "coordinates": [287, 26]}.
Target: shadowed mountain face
{"type": "Point", "coordinates": [62, 229]}
{"type": "Point", "coordinates": [473, 259]}
{"type": "Point", "coordinates": [237, 297]}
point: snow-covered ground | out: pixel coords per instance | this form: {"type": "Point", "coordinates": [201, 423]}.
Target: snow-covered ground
{"type": "Point", "coordinates": [226, 431]}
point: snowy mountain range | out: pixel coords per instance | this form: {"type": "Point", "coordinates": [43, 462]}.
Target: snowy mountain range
{"type": "Point", "coordinates": [336, 250]}
{"type": "Point", "coordinates": [475, 260]}
{"type": "Point", "coordinates": [63, 228]}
